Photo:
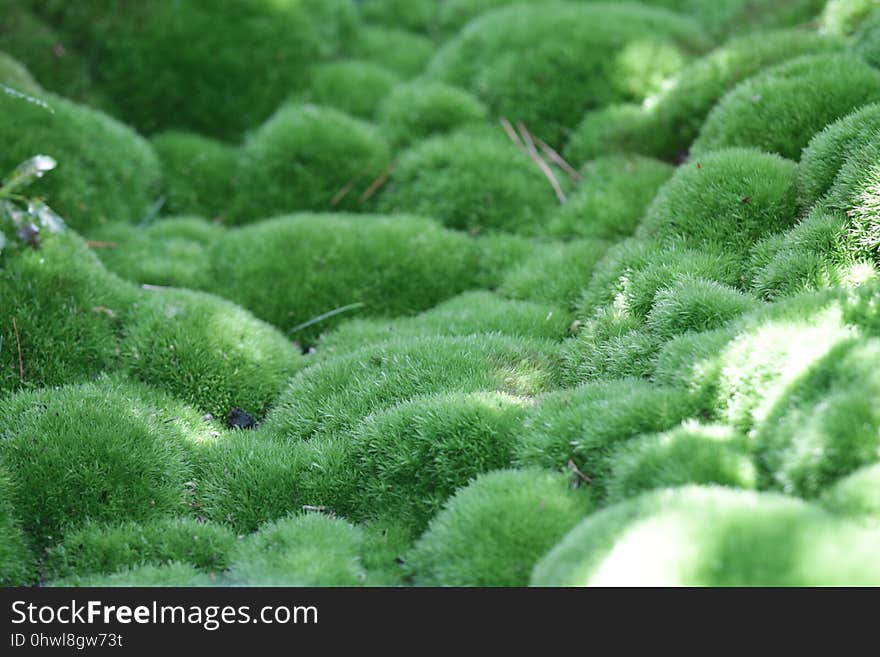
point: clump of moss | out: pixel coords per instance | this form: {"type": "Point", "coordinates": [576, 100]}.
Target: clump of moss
{"type": "Point", "coordinates": [97, 548]}
{"type": "Point", "coordinates": [97, 451]}
{"type": "Point", "coordinates": [709, 536]}
{"type": "Point", "coordinates": [782, 108]}
{"type": "Point", "coordinates": [857, 495]}
{"type": "Point", "coordinates": [689, 454]}
{"type": "Point", "coordinates": [412, 15]}
{"type": "Point", "coordinates": [725, 201]}
{"type": "Point", "coordinates": [611, 198]}
{"type": "Point", "coordinates": [106, 172]}
{"type": "Point", "coordinates": [353, 86]}
{"type": "Point", "coordinates": [866, 40]}
{"type": "Point", "coordinates": [391, 265]}
{"type": "Point", "coordinates": [334, 395]}
{"type": "Point", "coordinates": [397, 50]}
{"type": "Point", "coordinates": [827, 152]}
{"type": "Point", "coordinates": [421, 109]}
{"type": "Point", "coordinates": [467, 314]}
{"type": "Point", "coordinates": [668, 124]}
{"type": "Point", "coordinates": [207, 352]}
{"type": "Point", "coordinates": [472, 180]}
{"type": "Point", "coordinates": [148, 575]}
{"type": "Point", "coordinates": [696, 304]}
{"type": "Point", "coordinates": [499, 253]}
{"type": "Point", "coordinates": [584, 425]}
{"type": "Point", "coordinates": [17, 563]}
{"type": "Point", "coordinates": [64, 311]}
{"type": "Point", "coordinates": [170, 252]}
{"type": "Point", "coordinates": [306, 157]}
{"type": "Point", "coordinates": [843, 17]}
{"type": "Point", "coordinates": [309, 550]}
{"type": "Point", "coordinates": [198, 174]}
{"type": "Point", "coordinates": [14, 74]}
{"type": "Point", "coordinates": [491, 532]}
{"type": "Point", "coordinates": [505, 58]}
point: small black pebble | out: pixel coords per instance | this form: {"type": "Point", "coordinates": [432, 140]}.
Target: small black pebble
{"type": "Point", "coordinates": [239, 419]}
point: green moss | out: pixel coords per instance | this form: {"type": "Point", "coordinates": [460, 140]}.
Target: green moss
{"type": "Point", "coordinates": [17, 563]}
{"type": "Point", "coordinates": [14, 74]}
{"type": "Point", "coordinates": [68, 313]}
{"type": "Point", "coordinates": [353, 86]}
{"type": "Point", "coordinates": [689, 454]}
{"type": "Point", "coordinates": [170, 252]}
{"type": "Point", "coordinates": [297, 268]}
{"type": "Point", "coordinates": [843, 17]}
{"type": "Point", "coordinates": [857, 495]}
{"type": "Point", "coordinates": [100, 451]}
{"type": "Point", "coordinates": [706, 536]}
{"type": "Point", "coordinates": [421, 109]}
{"type": "Point", "coordinates": [334, 395]}
{"type": "Point", "coordinates": [499, 253]}
{"type": "Point", "coordinates": [402, 463]}
{"type": "Point", "coordinates": [436, 178]}
{"type": "Point", "coordinates": [696, 304]}
{"type": "Point", "coordinates": [400, 51]}
{"type": "Point", "coordinates": [467, 314]}
{"type": "Point", "coordinates": [309, 550]}
{"type": "Point", "coordinates": [691, 362]}
{"type": "Point", "coordinates": [825, 426]}
{"type": "Point", "coordinates": [506, 59]}
{"type": "Point", "coordinates": [198, 174]}
{"type": "Point", "coordinates": [207, 352]}
{"type": "Point", "coordinates": [172, 574]}
{"type": "Point", "coordinates": [782, 108]}
{"type": "Point", "coordinates": [611, 199]}
{"type": "Point", "coordinates": [413, 15]}
{"type": "Point", "coordinates": [726, 201]}
{"type": "Point", "coordinates": [96, 548]}
{"type": "Point", "coordinates": [585, 425]}
{"type": "Point", "coordinates": [668, 124]}
{"type": "Point", "coordinates": [492, 532]}
{"type": "Point", "coordinates": [106, 172]}
{"type": "Point", "coordinates": [303, 158]}
{"type": "Point", "coordinates": [555, 274]}
{"type": "Point", "coordinates": [826, 153]}
{"type": "Point", "coordinates": [856, 192]}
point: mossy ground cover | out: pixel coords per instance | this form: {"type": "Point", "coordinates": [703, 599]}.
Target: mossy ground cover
{"type": "Point", "coordinates": [471, 293]}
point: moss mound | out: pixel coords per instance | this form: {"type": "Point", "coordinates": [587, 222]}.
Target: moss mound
{"type": "Point", "coordinates": [782, 108]}
{"type": "Point", "coordinates": [704, 536]}
{"type": "Point", "coordinates": [352, 86]}
{"type": "Point", "coordinates": [14, 74]}
{"type": "Point", "coordinates": [106, 172]}
{"type": "Point", "coordinates": [857, 495]}
{"type": "Point", "coordinates": [207, 352]}
{"type": "Point", "coordinates": [149, 575]}
{"type": "Point", "coordinates": [493, 531]}
{"type": "Point", "coordinates": [413, 15]}
{"type": "Point", "coordinates": [397, 50]}
{"type": "Point", "coordinates": [17, 563]}
{"type": "Point", "coordinates": [97, 451]}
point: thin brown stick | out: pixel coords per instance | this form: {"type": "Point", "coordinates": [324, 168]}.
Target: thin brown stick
{"type": "Point", "coordinates": [342, 193]}
{"type": "Point", "coordinates": [558, 160]}
{"type": "Point", "coordinates": [577, 472]}
{"type": "Point", "coordinates": [93, 244]}
{"type": "Point", "coordinates": [542, 165]}
{"type": "Point", "coordinates": [18, 343]}
{"type": "Point", "coordinates": [378, 182]}
{"type": "Point", "coordinates": [511, 133]}
{"type": "Point", "coordinates": [154, 288]}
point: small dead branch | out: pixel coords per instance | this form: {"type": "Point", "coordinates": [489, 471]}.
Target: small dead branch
{"type": "Point", "coordinates": [18, 343]}
{"type": "Point", "coordinates": [378, 182]}
{"type": "Point", "coordinates": [154, 288]}
{"type": "Point", "coordinates": [319, 509]}
{"type": "Point", "coordinates": [558, 160]}
{"type": "Point", "coordinates": [342, 193]}
{"type": "Point", "coordinates": [511, 133]}
{"type": "Point", "coordinates": [103, 309]}
{"type": "Point", "coordinates": [93, 244]}
{"type": "Point", "coordinates": [542, 165]}
{"type": "Point", "coordinates": [580, 477]}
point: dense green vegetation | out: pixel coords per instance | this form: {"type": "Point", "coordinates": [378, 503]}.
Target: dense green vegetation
{"type": "Point", "coordinates": [421, 293]}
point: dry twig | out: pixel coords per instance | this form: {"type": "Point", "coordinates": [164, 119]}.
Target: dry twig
{"type": "Point", "coordinates": [542, 165]}
{"type": "Point", "coordinates": [93, 244]}
{"type": "Point", "coordinates": [342, 193]}
{"type": "Point", "coordinates": [558, 160]}
{"type": "Point", "coordinates": [378, 182]}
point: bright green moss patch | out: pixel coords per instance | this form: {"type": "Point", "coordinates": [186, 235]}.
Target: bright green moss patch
{"type": "Point", "coordinates": [856, 192]}
{"type": "Point", "coordinates": [290, 270]}
{"type": "Point", "coordinates": [473, 180]}
{"type": "Point", "coordinates": [705, 536]}
{"type": "Point", "coordinates": [584, 425]}
{"type": "Point", "coordinates": [493, 531]}
{"type": "Point", "coordinates": [857, 495]}
{"type": "Point", "coordinates": [198, 174]}
{"type": "Point", "coordinates": [68, 313]}
{"type": "Point", "coordinates": [106, 172]}
{"type": "Point", "coordinates": [611, 198]}
{"type": "Point", "coordinates": [467, 314]}
{"type": "Point", "coordinates": [421, 108]}
{"type": "Point", "coordinates": [169, 252]}
{"type": "Point", "coordinates": [353, 86]}
{"type": "Point", "coordinates": [95, 548]}
{"type": "Point", "coordinates": [843, 17]}
{"type": "Point", "coordinates": [506, 59]}
{"type": "Point", "coordinates": [309, 550]}
{"type": "Point", "coordinates": [689, 454]}
{"type": "Point", "coordinates": [782, 108]}
{"type": "Point", "coordinates": [333, 395]}
{"type": "Point", "coordinates": [172, 574]}
{"type": "Point", "coordinates": [303, 158]}
{"type": "Point", "coordinates": [207, 352]}
{"type": "Point", "coordinates": [100, 451]}
{"type": "Point", "coordinates": [17, 563]}
{"type": "Point", "coordinates": [397, 50]}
